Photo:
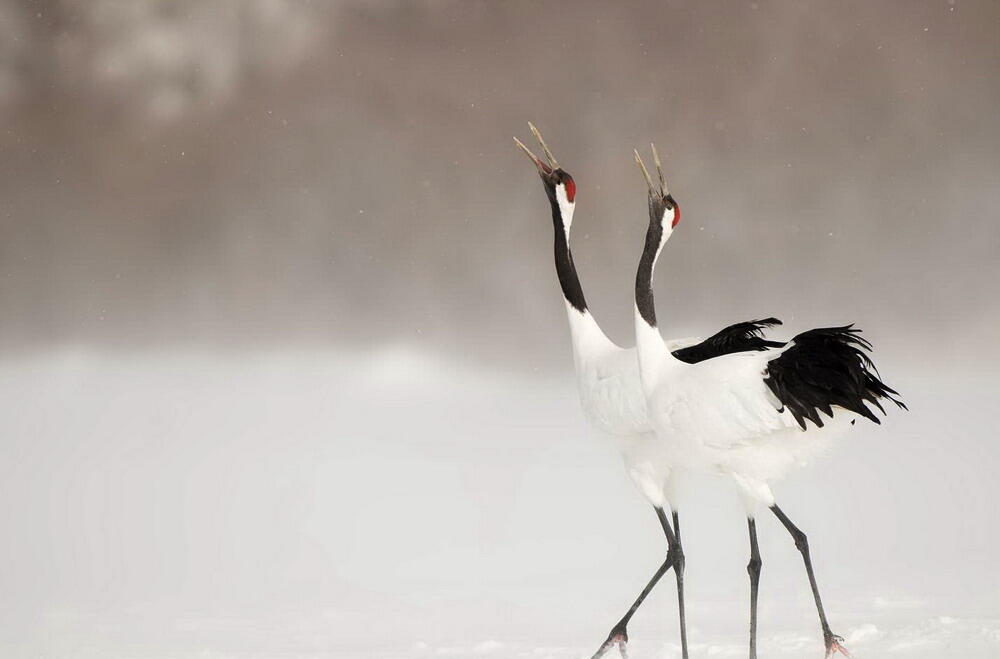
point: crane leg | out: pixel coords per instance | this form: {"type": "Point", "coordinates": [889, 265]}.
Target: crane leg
{"type": "Point", "coordinates": [619, 633]}
{"type": "Point", "coordinates": [679, 573]}
{"type": "Point", "coordinates": [833, 642]}
{"type": "Point", "coordinates": [753, 568]}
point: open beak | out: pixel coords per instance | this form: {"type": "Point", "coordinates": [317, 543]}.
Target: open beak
{"type": "Point", "coordinates": [543, 169]}
{"type": "Point", "coordinates": [653, 192]}
{"type": "Point", "coordinates": [645, 173]}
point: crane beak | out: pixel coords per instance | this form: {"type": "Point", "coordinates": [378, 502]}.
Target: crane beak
{"type": "Point", "coordinates": [543, 169]}
{"type": "Point", "coordinates": [545, 147]}
{"type": "Point", "coordinates": [659, 171]}
{"type": "Point", "coordinates": [653, 191]}
{"type": "Point", "coordinates": [645, 173]}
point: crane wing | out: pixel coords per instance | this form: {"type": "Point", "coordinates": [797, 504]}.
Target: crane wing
{"type": "Point", "coordinates": [678, 344]}
{"type": "Point", "coordinates": [741, 337]}
{"type": "Point", "coordinates": [739, 398]}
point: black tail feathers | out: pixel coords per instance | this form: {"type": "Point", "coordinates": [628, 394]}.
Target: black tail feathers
{"type": "Point", "coordinates": [828, 367]}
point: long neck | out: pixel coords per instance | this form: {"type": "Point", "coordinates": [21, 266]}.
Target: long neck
{"type": "Point", "coordinates": [644, 303]}
{"type": "Point", "coordinates": [653, 352]}
{"type": "Point", "coordinates": [562, 220]}
{"type": "Point", "coordinates": [588, 338]}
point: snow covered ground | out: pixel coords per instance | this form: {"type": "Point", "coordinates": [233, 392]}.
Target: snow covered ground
{"type": "Point", "coordinates": [321, 504]}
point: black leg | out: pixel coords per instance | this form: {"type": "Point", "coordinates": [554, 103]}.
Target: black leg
{"type": "Point", "coordinates": [753, 568]}
{"type": "Point", "coordinates": [619, 633]}
{"type": "Point", "coordinates": [679, 573]}
{"type": "Point", "coordinates": [802, 544]}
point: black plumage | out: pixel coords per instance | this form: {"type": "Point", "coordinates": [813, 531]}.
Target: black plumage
{"type": "Point", "coordinates": [824, 368]}
{"type": "Point", "coordinates": [741, 337]}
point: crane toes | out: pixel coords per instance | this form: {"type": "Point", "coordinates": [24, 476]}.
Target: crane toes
{"type": "Point", "coordinates": [617, 638]}
{"type": "Point", "coordinates": [601, 651]}
{"type": "Point", "coordinates": [833, 646]}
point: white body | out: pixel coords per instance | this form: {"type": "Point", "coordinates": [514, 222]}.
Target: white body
{"type": "Point", "coordinates": [614, 403]}
{"type": "Point", "coordinates": [719, 417]}
{"type": "Point", "coordinates": [669, 418]}
{"type": "Point", "coordinates": [612, 394]}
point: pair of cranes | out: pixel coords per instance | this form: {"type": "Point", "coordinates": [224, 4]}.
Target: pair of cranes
{"type": "Point", "coordinates": [735, 404]}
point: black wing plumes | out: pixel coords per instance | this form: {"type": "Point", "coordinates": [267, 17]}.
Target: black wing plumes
{"type": "Point", "coordinates": [741, 337]}
{"type": "Point", "coordinates": [824, 368]}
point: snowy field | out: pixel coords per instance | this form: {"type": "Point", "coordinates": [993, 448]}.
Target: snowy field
{"type": "Point", "coordinates": [317, 504]}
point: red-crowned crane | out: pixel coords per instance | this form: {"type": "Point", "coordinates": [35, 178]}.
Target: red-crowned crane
{"type": "Point", "coordinates": [751, 415]}
{"type": "Point", "coordinates": [609, 385]}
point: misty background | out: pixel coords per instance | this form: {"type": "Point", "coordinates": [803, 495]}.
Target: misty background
{"type": "Point", "coordinates": [284, 368]}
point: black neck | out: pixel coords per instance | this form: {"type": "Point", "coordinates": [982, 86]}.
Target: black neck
{"type": "Point", "coordinates": [644, 275]}
{"type": "Point", "coordinates": [565, 269]}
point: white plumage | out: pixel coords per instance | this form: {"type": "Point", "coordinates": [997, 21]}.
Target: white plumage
{"type": "Point", "coordinates": [743, 415]}
{"type": "Point", "coordinates": [614, 402]}
{"type": "Point", "coordinates": [718, 417]}
{"type": "Point", "coordinates": [735, 405]}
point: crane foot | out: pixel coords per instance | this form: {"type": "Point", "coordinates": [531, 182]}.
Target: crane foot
{"type": "Point", "coordinates": [833, 646]}
{"type": "Point", "coordinates": [617, 638]}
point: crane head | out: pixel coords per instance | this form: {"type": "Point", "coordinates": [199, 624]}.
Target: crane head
{"type": "Point", "coordinates": [661, 202]}
{"type": "Point", "coordinates": [554, 177]}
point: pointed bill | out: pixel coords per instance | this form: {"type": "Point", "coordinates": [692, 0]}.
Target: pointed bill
{"type": "Point", "coordinates": [645, 172]}
{"type": "Point", "coordinates": [545, 147]}
{"type": "Point", "coordinates": [542, 167]}
{"type": "Point", "coordinates": [659, 170]}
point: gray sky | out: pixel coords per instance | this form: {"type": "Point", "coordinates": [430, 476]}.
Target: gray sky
{"type": "Point", "coordinates": [284, 367]}
{"type": "Point", "coordinates": [281, 172]}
